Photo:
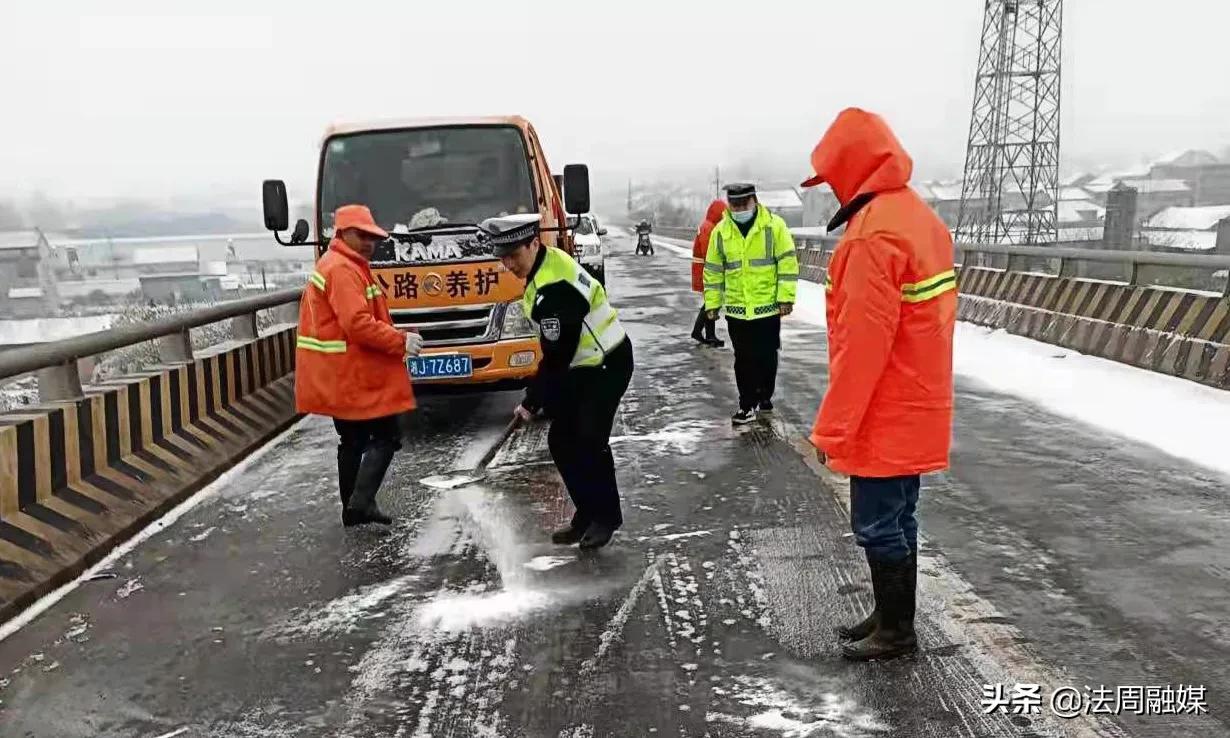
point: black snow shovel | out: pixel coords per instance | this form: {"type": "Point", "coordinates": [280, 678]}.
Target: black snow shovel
{"type": "Point", "coordinates": [463, 477]}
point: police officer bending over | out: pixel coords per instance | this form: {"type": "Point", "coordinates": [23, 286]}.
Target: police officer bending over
{"type": "Point", "coordinates": [584, 372]}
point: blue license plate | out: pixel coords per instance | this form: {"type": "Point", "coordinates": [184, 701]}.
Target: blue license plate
{"type": "Point", "coordinates": [441, 366]}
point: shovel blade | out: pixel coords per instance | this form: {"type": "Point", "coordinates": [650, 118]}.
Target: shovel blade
{"type": "Point", "coordinates": [451, 480]}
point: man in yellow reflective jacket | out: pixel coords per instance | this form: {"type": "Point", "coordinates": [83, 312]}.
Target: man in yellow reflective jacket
{"type": "Point", "coordinates": [752, 272]}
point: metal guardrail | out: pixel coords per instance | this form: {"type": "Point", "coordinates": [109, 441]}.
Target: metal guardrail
{"type": "Point", "coordinates": [1066, 256]}
{"type": "Point", "coordinates": [56, 362]}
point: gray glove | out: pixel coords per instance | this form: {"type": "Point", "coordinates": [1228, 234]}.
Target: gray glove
{"type": "Point", "coordinates": [414, 344]}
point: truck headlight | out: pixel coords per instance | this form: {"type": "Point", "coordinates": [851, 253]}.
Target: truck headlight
{"type": "Point", "coordinates": [516, 325]}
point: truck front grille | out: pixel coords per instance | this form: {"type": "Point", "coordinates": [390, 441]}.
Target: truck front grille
{"type": "Point", "coordinates": [449, 325]}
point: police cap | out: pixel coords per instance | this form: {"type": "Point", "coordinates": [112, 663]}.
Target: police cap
{"type": "Point", "coordinates": [740, 190]}
{"type": "Point", "coordinates": [506, 234]}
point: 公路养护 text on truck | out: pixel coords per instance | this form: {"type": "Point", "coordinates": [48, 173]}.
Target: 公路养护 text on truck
{"type": "Point", "coordinates": [429, 183]}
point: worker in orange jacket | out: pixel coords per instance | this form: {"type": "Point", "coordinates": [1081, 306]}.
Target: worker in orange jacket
{"type": "Point", "coordinates": [886, 418]}
{"type": "Point", "coordinates": [705, 329]}
{"type": "Point", "coordinates": [350, 362]}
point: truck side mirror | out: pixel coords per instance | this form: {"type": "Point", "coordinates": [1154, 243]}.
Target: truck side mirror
{"type": "Point", "coordinates": [576, 188]}
{"type": "Point", "coordinates": [277, 213]}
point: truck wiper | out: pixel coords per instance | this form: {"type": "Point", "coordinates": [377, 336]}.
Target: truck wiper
{"type": "Point", "coordinates": [437, 227]}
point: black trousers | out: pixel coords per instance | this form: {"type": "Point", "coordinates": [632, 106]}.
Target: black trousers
{"type": "Point", "coordinates": [756, 343]}
{"type": "Point", "coordinates": [580, 437]}
{"type": "Point", "coordinates": [357, 437]}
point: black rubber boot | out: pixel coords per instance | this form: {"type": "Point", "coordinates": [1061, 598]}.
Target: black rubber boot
{"type": "Point", "coordinates": [894, 635]}
{"type": "Point", "coordinates": [348, 459]}
{"type": "Point", "coordinates": [362, 508]}
{"type": "Point", "coordinates": [862, 629]}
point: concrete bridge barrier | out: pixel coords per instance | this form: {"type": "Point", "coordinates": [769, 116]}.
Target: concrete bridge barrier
{"type": "Point", "coordinates": [80, 474]}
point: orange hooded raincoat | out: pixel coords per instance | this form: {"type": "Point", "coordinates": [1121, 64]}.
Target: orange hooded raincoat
{"type": "Point", "coordinates": [891, 310]}
{"type": "Point", "coordinates": [700, 245]}
{"type": "Point", "coordinates": [349, 359]}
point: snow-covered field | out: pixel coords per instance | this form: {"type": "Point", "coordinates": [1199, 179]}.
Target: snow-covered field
{"type": "Point", "coordinates": [1182, 418]}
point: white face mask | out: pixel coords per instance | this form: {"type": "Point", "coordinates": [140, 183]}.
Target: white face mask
{"type": "Point", "coordinates": [743, 216]}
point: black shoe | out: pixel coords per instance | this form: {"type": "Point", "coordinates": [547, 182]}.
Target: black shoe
{"type": "Point", "coordinates": [372, 514]}
{"type": "Point", "coordinates": [699, 339]}
{"type": "Point", "coordinates": [715, 342]}
{"type": "Point", "coordinates": [596, 536]}
{"type": "Point", "coordinates": [569, 536]}
{"type": "Point", "coordinates": [894, 635]}
{"type": "Point", "coordinates": [743, 417]}
{"type": "Point", "coordinates": [766, 407]}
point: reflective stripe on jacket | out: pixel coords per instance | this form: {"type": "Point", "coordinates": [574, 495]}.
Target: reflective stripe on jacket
{"type": "Point", "coordinates": [749, 277]}
{"type": "Point", "coordinates": [891, 307]}
{"type": "Point", "coordinates": [348, 356]}
{"type": "Point", "coordinates": [601, 330]}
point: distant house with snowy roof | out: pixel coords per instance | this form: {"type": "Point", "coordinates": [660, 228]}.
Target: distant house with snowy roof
{"type": "Point", "coordinates": [1152, 195]}
{"type": "Point", "coordinates": [1079, 221]}
{"type": "Point", "coordinates": [1202, 229]}
{"type": "Point", "coordinates": [1206, 175]}
{"type": "Point", "coordinates": [785, 202]}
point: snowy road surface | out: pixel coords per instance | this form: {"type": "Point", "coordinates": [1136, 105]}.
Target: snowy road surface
{"type": "Point", "coordinates": [1056, 552]}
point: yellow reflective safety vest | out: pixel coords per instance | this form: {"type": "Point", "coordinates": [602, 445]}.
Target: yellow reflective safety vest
{"type": "Point", "coordinates": [750, 276]}
{"type": "Point", "coordinates": [600, 330]}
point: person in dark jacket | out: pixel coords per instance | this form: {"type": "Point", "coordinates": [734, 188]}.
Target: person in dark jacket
{"type": "Point", "coordinates": [585, 369]}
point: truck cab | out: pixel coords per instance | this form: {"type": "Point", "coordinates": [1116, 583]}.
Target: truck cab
{"type": "Point", "coordinates": [429, 183]}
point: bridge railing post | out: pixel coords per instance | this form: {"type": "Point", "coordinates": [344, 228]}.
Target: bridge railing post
{"type": "Point", "coordinates": [59, 383]}
{"type": "Point", "coordinates": [244, 327]}
{"type": "Point", "coordinates": [175, 348]}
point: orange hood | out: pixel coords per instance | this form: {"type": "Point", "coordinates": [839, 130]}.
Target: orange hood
{"type": "Point", "coordinates": [716, 210]}
{"type": "Point", "coordinates": [859, 155]}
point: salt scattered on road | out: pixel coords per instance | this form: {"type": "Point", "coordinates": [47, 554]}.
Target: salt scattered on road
{"type": "Point", "coordinates": [458, 612]}
{"type": "Point", "coordinates": [546, 563]}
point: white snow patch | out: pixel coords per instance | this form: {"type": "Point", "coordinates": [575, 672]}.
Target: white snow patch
{"type": "Point", "coordinates": [794, 717]}
{"type": "Point", "coordinates": [1178, 416]}
{"type": "Point", "coordinates": [546, 563]}
{"type": "Point", "coordinates": [129, 587]}
{"type": "Point", "coordinates": [681, 536]}
{"type": "Point", "coordinates": [203, 534]}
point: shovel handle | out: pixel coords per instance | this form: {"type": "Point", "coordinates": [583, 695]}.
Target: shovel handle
{"type": "Point", "coordinates": [495, 447]}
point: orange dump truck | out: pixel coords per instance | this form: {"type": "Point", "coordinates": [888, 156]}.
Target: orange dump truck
{"type": "Point", "coordinates": [430, 183]}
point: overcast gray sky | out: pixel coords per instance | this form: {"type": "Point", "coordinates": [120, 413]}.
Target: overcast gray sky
{"type": "Point", "coordinates": [126, 98]}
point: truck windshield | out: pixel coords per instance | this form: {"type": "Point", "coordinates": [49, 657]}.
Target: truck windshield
{"type": "Point", "coordinates": [428, 176]}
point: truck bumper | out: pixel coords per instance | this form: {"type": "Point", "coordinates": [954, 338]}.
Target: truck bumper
{"type": "Point", "coordinates": [496, 365]}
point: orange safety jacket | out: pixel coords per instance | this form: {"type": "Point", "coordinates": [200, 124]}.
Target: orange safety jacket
{"type": "Point", "coordinates": [891, 295]}
{"type": "Point", "coordinates": [349, 359]}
